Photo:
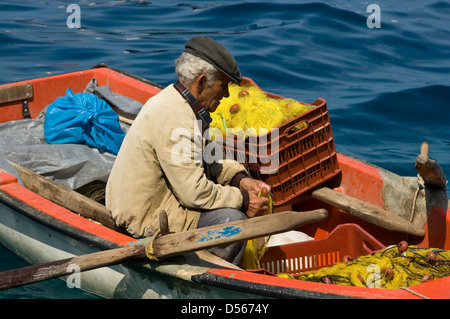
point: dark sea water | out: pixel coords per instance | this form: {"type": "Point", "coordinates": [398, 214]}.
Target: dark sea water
{"type": "Point", "coordinates": [388, 88]}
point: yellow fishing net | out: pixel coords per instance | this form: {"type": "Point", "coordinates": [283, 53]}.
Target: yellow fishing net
{"type": "Point", "coordinates": [392, 268]}
{"type": "Point", "coordinates": [255, 248]}
{"type": "Point", "coordinates": [248, 109]}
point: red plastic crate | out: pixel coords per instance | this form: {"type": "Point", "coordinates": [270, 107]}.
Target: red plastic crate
{"type": "Point", "coordinates": [345, 239]}
{"type": "Point", "coordinates": [305, 158]}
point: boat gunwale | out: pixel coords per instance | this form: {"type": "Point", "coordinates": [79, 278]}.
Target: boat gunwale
{"type": "Point", "coordinates": [291, 288]}
{"type": "Point", "coordinates": [42, 217]}
{"type": "Point", "coordinates": [226, 280]}
{"type": "Point", "coordinates": [39, 208]}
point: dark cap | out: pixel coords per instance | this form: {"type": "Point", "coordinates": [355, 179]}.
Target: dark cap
{"type": "Point", "coordinates": [215, 53]}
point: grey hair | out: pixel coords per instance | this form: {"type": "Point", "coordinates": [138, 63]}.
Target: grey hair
{"type": "Point", "coordinates": [189, 67]}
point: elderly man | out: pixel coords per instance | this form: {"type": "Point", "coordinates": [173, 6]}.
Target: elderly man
{"type": "Point", "coordinates": [158, 166]}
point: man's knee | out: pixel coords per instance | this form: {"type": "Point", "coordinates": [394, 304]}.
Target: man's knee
{"type": "Point", "coordinates": [232, 215]}
{"type": "Point", "coordinates": [220, 216]}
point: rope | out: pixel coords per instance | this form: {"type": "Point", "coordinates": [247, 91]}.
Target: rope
{"type": "Point", "coordinates": [421, 185]}
{"type": "Point", "coordinates": [414, 293]}
{"type": "Point", "coordinates": [150, 249]}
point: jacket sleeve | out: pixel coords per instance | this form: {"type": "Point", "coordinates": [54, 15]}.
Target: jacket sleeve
{"type": "Point", "coordinates": [223, 170]}
{"type": "Point", "coordinates": [180, 155]}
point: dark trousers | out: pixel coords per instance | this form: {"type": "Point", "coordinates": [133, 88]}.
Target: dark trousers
{"type": "Point", "coordinates": [232, 252]}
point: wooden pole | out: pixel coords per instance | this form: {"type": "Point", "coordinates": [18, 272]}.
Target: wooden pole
{"type": "Point", "coordinates": [166, 246]}
{"type": "Point", "coordinates": [35, 273]}
{"type": "Point", "coordinates": [65, 197]}
{"type": "Point", "coordinates": [366, 211]}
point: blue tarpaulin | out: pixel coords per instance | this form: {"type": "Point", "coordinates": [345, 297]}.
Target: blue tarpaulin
{"type": "Point", "coordinates": [83, 118]}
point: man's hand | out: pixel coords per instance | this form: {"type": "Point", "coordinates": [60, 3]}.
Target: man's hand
{"type": "Point", "coordinates": [257, 205]}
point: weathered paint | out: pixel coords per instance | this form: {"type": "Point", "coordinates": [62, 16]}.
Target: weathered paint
{"type": "Point", "coordinates": [221, 232]}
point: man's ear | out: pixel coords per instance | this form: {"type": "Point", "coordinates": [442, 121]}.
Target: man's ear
{"type": "Point", "coordinates": [201, 83]}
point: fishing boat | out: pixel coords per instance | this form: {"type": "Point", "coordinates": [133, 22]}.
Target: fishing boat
{"type": "Point", "coordinates": [368, 208]}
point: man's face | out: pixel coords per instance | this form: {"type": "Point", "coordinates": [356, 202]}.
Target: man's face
{"type": "Point", "coordinates": [210, 96]}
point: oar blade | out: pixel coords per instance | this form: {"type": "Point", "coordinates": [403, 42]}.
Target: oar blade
{"type": "Point", "coordinates": [54, 269]}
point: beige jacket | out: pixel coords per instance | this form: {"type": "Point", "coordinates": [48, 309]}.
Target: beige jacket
{"type": "Point", "coordinates": [159, 167]}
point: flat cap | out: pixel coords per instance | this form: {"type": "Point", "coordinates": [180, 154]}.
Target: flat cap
{"type": "Point", "coordinates": [215, 53]}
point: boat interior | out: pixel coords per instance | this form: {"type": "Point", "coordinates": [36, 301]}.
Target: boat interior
{"type": "Point", "coordinates": [341, 234]}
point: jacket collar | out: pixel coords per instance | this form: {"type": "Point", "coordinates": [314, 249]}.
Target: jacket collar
{"type": "Point", "coordinates": [198, 109]}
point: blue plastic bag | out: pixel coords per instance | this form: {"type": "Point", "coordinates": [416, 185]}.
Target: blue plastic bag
{"type": "Point", "coordinates": [83, 118]}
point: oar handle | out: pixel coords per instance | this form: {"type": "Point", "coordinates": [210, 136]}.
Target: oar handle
{"type": "Point", "coordinates": [366, 211]}
{"type": "Point", "coordinates": [431, 172]}
{"type": "Point", "coordinates": [423, 157]}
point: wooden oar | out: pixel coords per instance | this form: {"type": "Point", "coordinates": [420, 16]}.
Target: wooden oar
{"type": "Point", "coordinates": [166, 246]}
{"type": "Point", "coordinates": [366, 211]}
{"type": "Point", "coordinates": [65, 197]}
{"type": "Point", "coordinates": [432, 175]}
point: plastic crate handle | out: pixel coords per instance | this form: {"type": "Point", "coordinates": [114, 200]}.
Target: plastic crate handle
{"type": "Point", "coordinates": [292, 129]}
